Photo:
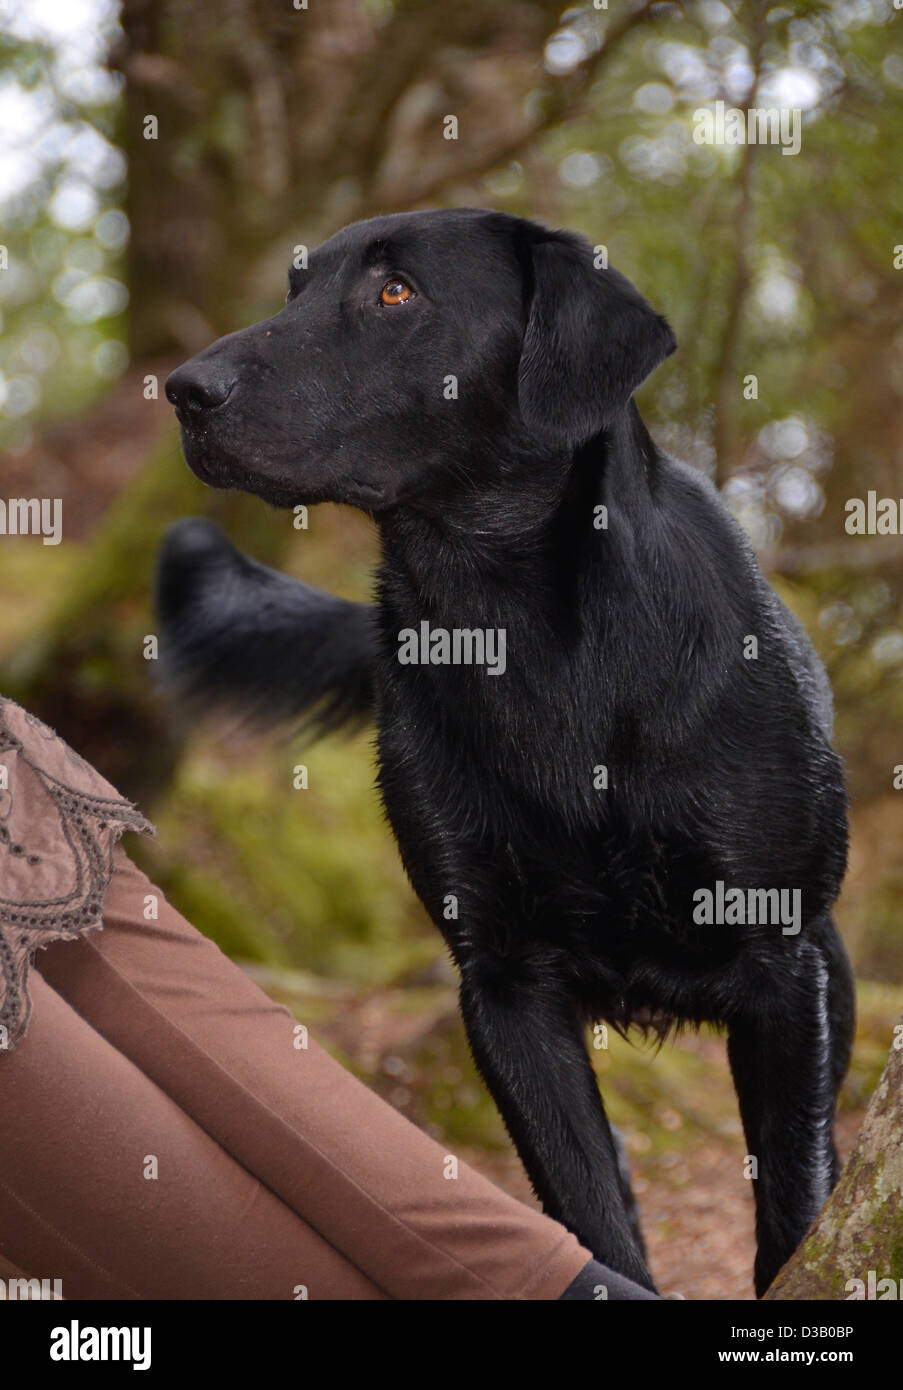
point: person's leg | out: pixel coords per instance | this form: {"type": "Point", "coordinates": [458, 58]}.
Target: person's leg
{"type": "Point", "coordinates": [376, 1188]}
{"type": "Point", "coordinates": [108, 1186]}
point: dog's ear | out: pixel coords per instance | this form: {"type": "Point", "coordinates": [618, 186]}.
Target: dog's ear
{"type": "Point", "coordinates": [590, 340]}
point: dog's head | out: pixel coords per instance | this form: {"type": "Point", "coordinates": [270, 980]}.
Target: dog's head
{"type": "Point", "coordinates": [413, 350]}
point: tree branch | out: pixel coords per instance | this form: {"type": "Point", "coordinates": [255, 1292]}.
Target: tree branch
{"type": "Point", "coordinates": [564, 98]}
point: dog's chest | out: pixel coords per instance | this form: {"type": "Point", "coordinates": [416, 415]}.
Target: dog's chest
{"type": "Point", "coordinates": [539, 812]}
{"type": "Point", "coordinates": [536, 854]}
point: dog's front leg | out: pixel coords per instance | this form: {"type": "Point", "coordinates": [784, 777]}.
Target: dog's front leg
{"type": "Point", "coordinates": [526, 1041]}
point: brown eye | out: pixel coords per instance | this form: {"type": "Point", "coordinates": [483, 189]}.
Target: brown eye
{"type": "Point", "coordinates": [395, 292]}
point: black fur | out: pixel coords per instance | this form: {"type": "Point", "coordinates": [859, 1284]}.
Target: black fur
{"type": "Point", "coordinates": [271, 647]}
{"type": "Point", "coordinates": [627, 648]}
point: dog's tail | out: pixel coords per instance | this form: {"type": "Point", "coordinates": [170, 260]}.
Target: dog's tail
{"type": "Point", "coordinates": [240, 635]}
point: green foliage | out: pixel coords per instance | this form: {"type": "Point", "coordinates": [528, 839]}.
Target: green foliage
{"type": "Point", "coordinates": [308, 877]}
{"type": "Point", "coordinates": [62, 297]}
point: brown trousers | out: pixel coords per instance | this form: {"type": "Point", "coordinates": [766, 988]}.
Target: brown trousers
{"type": "Point", "coordinates": [163, 1136]}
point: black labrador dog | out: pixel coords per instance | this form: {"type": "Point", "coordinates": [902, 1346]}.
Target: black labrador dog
{"type": "Point", "coordinates": [604, 743]}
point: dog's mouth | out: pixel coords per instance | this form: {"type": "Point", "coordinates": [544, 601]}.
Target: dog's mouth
{"type": "Point", "coordinates": [197, 462]}
{"type": "Point", "coordinates": [210, 465]}
{"type": "Point", "coordinates": [223, 471]}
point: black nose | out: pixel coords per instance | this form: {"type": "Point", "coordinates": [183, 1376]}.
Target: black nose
{"type": "Point", "coordinates": [198, 386]}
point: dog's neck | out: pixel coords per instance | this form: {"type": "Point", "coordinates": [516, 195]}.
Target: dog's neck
{"type": "Point", "coordinates": [518, 526]}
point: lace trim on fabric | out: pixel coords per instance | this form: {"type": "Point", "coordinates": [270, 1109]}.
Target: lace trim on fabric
{"type": "Point", "coordinates": [89, 823]}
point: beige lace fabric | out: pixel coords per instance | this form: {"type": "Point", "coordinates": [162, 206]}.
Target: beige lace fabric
{"type": "Point", "coordinates": [59, 823]}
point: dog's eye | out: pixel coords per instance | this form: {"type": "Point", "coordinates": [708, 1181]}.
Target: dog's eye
{"type": "Point", "coordinates": [395, 292]}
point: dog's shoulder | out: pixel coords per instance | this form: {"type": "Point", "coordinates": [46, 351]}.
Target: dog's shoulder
{"type": "Point", "coordinates": [707, 535]}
